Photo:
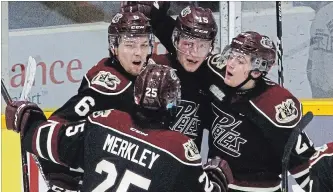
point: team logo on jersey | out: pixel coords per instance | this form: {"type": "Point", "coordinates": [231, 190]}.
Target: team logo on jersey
{"type": "Point", "coordinates": [286, 111]}
{"type": "Point", "coordinates": [191, 151]}
{"type": "Point", "coordinates": [185, 11]}
{"type": "Point", "coordinates": [224, 134]}
{"type": "Point", "coordinates": [106, 79]}
{"type": "Point", "coordinates": [116, 18]}
{"type": "Point", "coordinates": [187, 121]}
{"type": "Point", "coordinates": [217, 60]}
{"type": "Point", "coordinates": [103, 113]}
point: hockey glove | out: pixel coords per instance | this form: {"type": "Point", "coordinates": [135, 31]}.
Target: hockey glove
{"type": "Point", "coordinates": [145, 7]}
{"type": "Point", "coordinates": [321, 169]}
{"type": "Point", "coordinates": [20, 114]}
{"type": "Point", "coordinates": [219, 173]}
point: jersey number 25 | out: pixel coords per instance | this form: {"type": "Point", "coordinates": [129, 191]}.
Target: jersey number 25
{"type": "Point", "coordinates": [128, 178]}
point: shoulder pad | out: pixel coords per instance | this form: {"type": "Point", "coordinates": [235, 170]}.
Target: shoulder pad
{"type": "Point", "coordinates": [216, 65]}
{"type": "Point", "coordinates": [161, 59]}
{"type": "Point", "coordinates": [175, 144]}
{"type": "Point", "coordinates": [191, 152]}
{"type": "Point", "coordinates": [106, 80]}
{"type": "Point", "coordinates": [110, 117]}
{"type": "Point", "coordinates": [279, 106]}
{"type": "Point", "coordinates": [181, 147]}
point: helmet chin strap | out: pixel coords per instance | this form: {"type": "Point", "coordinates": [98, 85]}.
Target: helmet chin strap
{"type": "Point", "coordinates": [249, 77]}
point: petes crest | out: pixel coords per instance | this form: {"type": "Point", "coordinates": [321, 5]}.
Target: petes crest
{"type": "Point", "coordinates": [286, 111]}
{"type": "Point", "coordinates": [217, 60]}
{"type": "Point", "coordinates": [185, 11]}
{"type": "Point", "coordinates": [106, 79]}
{"type": "Point", "coordinates": [266, 42]}
{"type": "Point", "coordinates": [103, 113]}
{"type": "Point", "coordinates": [116, 18]}
{"type": "Point", "coordinates": [191, 151]}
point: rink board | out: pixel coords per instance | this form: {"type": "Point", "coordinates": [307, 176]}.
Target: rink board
{"type": "Point", "coordinates": [320, 131]}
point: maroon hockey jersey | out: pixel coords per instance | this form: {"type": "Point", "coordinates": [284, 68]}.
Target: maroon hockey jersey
{"type": "Point", "coordinates": [116, 155]}
{"type": "Point", "coordinates": [250, 129]}
{"type": "Point", "coordinates": [106, 85]}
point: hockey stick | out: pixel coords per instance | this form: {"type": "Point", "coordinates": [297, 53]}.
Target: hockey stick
{"type": "Point", "coordinates": [30, 72]}
{"type": "Point", "coordinates": [28, 82]}
{"type": "Point", "coordinates": [25, 173]}
{"type": "Point", "coordinates": [7, 99]}
{"type": "Point", "coordinates": [290, 145]}
{"type": "Point", "coordinates": [279, 42]}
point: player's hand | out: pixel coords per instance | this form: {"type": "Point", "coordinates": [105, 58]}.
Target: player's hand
{"type": "Point", "coordinates": [219, 173]}
{"type": "Point", "coordinates": [19, 113]}
{"type": "Point", "coordinates": [145, 7]}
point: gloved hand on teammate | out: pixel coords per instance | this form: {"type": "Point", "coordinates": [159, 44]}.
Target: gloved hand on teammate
{"type": "Point", "coordinates": [20, 114]}
{"type": "Point", "coordinates": [219, 173]}
{"type": "Point", "coordinates": [145, 7]}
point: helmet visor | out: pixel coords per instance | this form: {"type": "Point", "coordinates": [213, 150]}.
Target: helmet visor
{"type": "Point", "coordinates": [195, 47]}
{"type": "Point", "coordinates": [136, 42]}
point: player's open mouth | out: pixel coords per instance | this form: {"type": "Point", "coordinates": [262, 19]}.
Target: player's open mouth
{"type": "Point", "coordinates": [136, 62]}
{"type": "Point", "coordinates": [229, 74]}
{"type": "Point", "coordinates": [192, 61]}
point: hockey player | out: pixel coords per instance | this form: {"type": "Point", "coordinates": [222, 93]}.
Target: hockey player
{"type": "Point", "coordinates": [108, 84]}
{"type": "Point", "coordinates": [189, 40]}
{"type": "Point", "coordinates": [254, 118]}
{"type": "Point", "coordinates": [122, 151]}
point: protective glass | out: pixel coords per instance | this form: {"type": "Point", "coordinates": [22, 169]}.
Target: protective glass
{"type": "Point", "coordinates": [236, 55]}
{"type": "Point", "coordinates": [257, 63]}
{"type": "Point", "coordinates": [193, 46]}
{"type": "Point", "coordinates": [136, 43]}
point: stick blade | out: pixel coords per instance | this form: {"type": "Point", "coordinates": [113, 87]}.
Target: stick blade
{"type": "Point", "coordinates": [29, 78]}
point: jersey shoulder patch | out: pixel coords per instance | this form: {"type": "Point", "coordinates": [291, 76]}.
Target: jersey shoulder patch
{"type": "Point", "coordinates": [106, 80]}
{"type": "Point", "coordinates": [279, 106]}
{"type": "Point", "coordinates": [191, 151]}
{"type": "Point", "coordinates": [216, 65]}
{"type": "Point", "coordinates": [180, 146]}
{"type": "Point", "coordinates": [112, 118]}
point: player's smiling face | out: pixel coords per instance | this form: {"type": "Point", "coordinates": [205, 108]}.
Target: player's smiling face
{"type": "Point", "coordinates": [132, 53]}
